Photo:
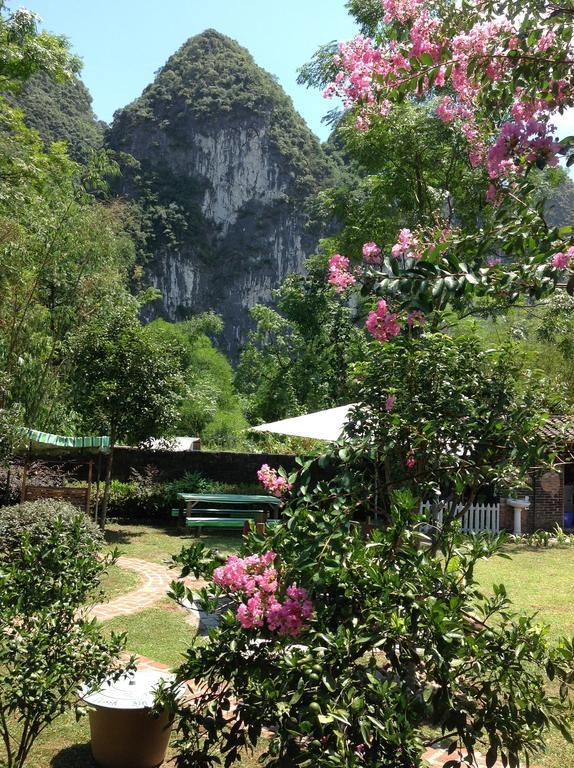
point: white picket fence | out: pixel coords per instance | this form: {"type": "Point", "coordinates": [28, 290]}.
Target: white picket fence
{"type": "Point", "coordinates": [479, 517]}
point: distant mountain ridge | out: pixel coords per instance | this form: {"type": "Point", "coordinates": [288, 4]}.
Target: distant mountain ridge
{"type": "Point", "coordinates": [61, 111]}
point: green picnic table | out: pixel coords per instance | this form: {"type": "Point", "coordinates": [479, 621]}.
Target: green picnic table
{"type": "Point", "coordinates": [231, 510]}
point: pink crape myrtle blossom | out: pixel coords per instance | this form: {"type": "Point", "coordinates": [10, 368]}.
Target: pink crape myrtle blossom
{"type": "Point", "coordinates": [494, 261]}
{"type": "Point", "coordinates": [339, 275]}
{"type": "Point", "coordinates": [563, 260]}
{"type": "Point", "coordinates": [390, 403]}
{"type": "Point", "coordinates": [530, 139]}
{"type": "Point", "coordinates": [402, 10]}
{"type": "Point", "coordinates": [372, 253]}
{"type": "Point", "coordinates": [411, 461]}
{"type": "Point", "coordinates": [382, 324]}
{"type": "Point", "coordinates": [272, 481]}
{"type": "Point", "coordinates": [546, 41]}
{"type": "Point", "coordinates": [407, 246]}
{"type": "Point", "coordinates": [488, 51]}
{"type": "Point", "coordinates": [288, 618]}
{"type": "Point", "coordinates": [254, 581]}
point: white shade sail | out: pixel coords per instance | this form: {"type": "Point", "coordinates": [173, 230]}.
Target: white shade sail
{"type": "Point", "coordinates": [321, 425]}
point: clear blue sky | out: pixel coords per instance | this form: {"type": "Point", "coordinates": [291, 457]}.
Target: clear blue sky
{"type": "Point", "coordinates": [124, 42]}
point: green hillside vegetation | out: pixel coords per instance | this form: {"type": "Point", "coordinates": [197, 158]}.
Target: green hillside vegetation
{"type": "Point", "coordinates": [211, 407]}
{"type": "Point", "coordinates": [61, 111]}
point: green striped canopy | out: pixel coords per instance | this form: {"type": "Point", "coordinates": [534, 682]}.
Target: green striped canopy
{"type": "Point", "coordinates": [68, 442]}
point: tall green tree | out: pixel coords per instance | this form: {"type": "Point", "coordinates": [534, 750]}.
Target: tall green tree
{"type": "Point", "coordinates": [210, 407]}
{"type": "Point", "coordinates": [63, 250]}
{"type": "Point", "coordinates": [124, 382]}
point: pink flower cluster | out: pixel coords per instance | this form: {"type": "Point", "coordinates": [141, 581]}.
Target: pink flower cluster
{"type": "Point", "coordinates": [272, 481]}
{"type": "Point", "coordinates": [402, 10]}
{"type": "Point", "coordinates": [254, 580]}
{"type": "Point", "coordinates": [382, 324]}
{"type": "Point", "coordinates": [530, 139]}
{"type": "Point", "coordinates": [339, 274]}
{"type": "Point", "coordinates": [364, 72]}
{"type": "Point", "coordinates": [488, 51]}
{"type": "Point", "coordinates": [563, 260]}
{"type": "Point", "coordinates": [408, 246]}
{"type": "Point", "coordinates": [372, 253]}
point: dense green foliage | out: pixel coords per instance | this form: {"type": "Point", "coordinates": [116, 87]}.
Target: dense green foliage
{"type": "Point", "coordinates": [210, 408]}
{"type": "Point", "coordinates": [298, 357]}
{"type": "Point", "coordinates": [33, 522]}
{"type": "Point", "coordinates": [62, 252]}
{"type": "Point", "coordinates": [50, 567]}
{"type": "Point", "coordinates": [60, 111]}
{"type": "Point", "coordinates": [404, 650]}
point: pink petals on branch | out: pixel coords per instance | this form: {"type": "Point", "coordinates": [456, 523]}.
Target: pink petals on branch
{"type": "Point", "coordinates": [407, 246]}
{"type": "Point", "coordinates": [372, 253]}
{"type": "Point", "coordinates": [382, 324]}
{"type": "Point", "coordinates": [339, 275]}
{"type": "Point", "coordinates": [254, 580]}
{"type": "Point", "coordinates": [485, 53]}
{"type": "Point", "coordinates": [272, 481]}
{"type": "Point", "coordinates": [563, 260]}
{"type": "Point", "coordinates": [401, 10]}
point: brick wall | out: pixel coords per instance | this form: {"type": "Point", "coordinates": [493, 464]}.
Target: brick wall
{"type": "Point", "coordinates": [547, 509]}
{"type": "Point", "coordinates": [221, 466]}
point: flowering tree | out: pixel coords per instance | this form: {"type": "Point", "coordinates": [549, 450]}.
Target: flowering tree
{"type": "Point", "coordinates": [495, 75]}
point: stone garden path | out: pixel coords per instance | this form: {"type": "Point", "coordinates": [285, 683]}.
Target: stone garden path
{"type": "Point", "coordinates": [156, 580]}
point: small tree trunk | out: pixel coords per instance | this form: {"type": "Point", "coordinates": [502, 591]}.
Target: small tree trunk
{"type": "Point", "coordinates": [104, 509]}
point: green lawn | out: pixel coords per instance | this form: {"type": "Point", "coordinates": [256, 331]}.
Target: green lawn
{"type": "Point", "coordinates": [117, 581]}
{"type": "Point", "coordinates": [161, 633]}
{"type": "Point", "coordinates": [537, 580]}
{"type": "Point", "coordinates": [158, 543]}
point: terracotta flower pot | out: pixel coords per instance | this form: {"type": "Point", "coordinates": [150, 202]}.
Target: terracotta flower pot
{"type": "Point", "coordinates": [123, 733]}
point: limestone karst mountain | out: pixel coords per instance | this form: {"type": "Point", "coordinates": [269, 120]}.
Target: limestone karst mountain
{"type": "Point", "coordinates": [220, 167]}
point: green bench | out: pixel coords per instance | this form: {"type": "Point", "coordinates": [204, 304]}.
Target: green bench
{"type": "Point", "coordinates": [198, 523]}
{"type": "Point", "coordinates": [250, 513]}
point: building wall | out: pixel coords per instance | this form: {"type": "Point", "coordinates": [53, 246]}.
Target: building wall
{"type": "Point", "coordinates": [547, 509]}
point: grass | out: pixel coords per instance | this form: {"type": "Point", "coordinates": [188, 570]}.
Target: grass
{"type": "Point", "coordinates": [158, 543]}
{"type": "Point", "coordinates": [117, 581]}
{"type": "Point", "coordinates": [160, 633]}
{"type": "Point", "coordinates": [538, 581]}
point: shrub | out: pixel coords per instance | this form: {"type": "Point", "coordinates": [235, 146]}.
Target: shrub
{"type": "Point", "coordinates": [144, 500]}
{"type": "Point", "coordinates": [50, 565]}
{"type": "Point", "coordinates": [35, 520]}
{"type": "Point", "coordinates": [55, 541]}
{"type": "Point", "coordinates": [132, 500]}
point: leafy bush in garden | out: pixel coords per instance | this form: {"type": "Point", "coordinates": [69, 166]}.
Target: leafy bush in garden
{"type": "Point", "coordinates": [143, 500]}
{"type": "Point", "coordinates": [36, 519]}
{"type": "Point", "coordinates": [402, 650]}
{"type": "Point", "coordinates": [50, 565]}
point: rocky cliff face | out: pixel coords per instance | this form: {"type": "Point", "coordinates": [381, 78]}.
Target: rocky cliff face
{"type": "Point", "coordinates": [220, 166]}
